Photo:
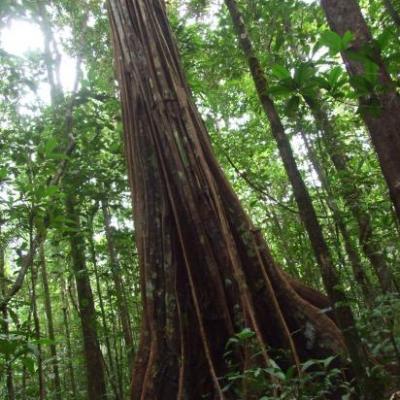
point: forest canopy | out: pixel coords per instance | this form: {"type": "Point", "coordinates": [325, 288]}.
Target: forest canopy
{"type": "Point", "coordinates": [199, 199]}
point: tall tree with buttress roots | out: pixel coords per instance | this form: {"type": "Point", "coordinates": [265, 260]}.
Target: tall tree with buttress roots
{"type": "Point", "coordinates": [206, 271]}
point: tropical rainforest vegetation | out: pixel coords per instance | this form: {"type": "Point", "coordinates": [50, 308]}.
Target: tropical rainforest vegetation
{"type": "Point", "coordinates": [199, 199]}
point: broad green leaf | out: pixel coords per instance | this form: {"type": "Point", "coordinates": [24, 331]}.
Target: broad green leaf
{"type": "Point", "coordinates": [280, 72]}
{"type": "Point", "coordinates": [346, 40]}
{"type": "Point", "coordinates": [332, 40]}
{"type": "Point", "coordinates": [280, 90]}
{"type": "Point", "coordinates": [50, 145]}
{"type": "Point", "coordinates": [29, 363]}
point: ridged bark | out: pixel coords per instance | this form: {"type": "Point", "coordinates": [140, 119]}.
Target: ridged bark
{"type": "Point", "coordinates": [206, 271]}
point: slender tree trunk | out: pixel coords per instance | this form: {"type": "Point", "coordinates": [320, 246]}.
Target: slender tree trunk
{"type": "Point", "coordinates": [70, 366]}
{"type": "Point", "coordinates": [118, 374]}
{"type": "Point", "coordinates": [380, 109]}
{"type": "Point", "coordinates": [107, 337]}
{"type": "Point", "coordinates": [391, 10]}
{"type": "Point", "coordinates": [118, 283]}
{"type": "Point", "coordinates": [352, 195]}
{"type": "Point", "coordinates": [25, 375]}
{"type": "Point", "coordinates": [350, 192]}
{"type": "Point", "coordinates": [307, 212]}
{"type": "Point", "coordinates": [50, 324]}
{"type": "Point", "coordinates": [8, 367]}
{"type": "Point", "coordinates": [93, 357]}
{"type": "Point", "coordinates": [290, 263]}
{"type": "Point", "coordinates": [354, 258]}
{"type": "Point", "coordinates": [4, 325]}
{"type": "Point", "coordinates": [36, 325]}
{"type": "Point", "coordinates": [206, 272]}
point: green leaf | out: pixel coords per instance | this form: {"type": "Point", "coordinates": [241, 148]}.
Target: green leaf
{"type": "Point", "coordinates": [246, 333]}
{"type": "Point", "coordinates": [328, 360]}
{"type": "Point", "coordinates": [335, 42]}
{"type": "Point", "coordinates": [3, 173]}
{"type": "Point", "coordinates": [276, 373]}
{"type": "Point", "coordinates": [371, 72]}
{"type": "Point", "coordinates": [51, 190]}
{"type": "Point", "coordinates": [308, 364]}
{"type": "Point", "coordinates": [280, 90]}
{"type": "Point", "coordinates": [304, 73]}
{"type": "Point", "coordinates": [360, 84]}
{"type": "Point", "coordinates": [332, 40]}
{"type": "Point", "coordinates": [322, 83]}
{"type": "Point", "coordinates": [50, 145]}
{"type": "Point", "coordinates": [8, 346]}
{"type": "Point", "coordinates": [334, 75]}
{"type": "Point", "coordinates": [293, 105]}
{"type": "Point", "coordinates": [29, 363]}
{"type": "Point", "coordinates": [346, 40]}
{"type": "Point", "coordinates": [280, 72]}
{"type": "Point", "coordinates": [384, 38]}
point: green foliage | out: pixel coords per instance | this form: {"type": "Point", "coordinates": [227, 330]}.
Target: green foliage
{"type": "Point", "coordinates": [335, 42]}
{"type": "Point", "coordinates": [313, 379]}
{"type": "Point", "coordinates": [301, 57]}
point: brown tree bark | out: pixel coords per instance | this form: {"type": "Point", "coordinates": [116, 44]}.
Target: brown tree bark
{"type": "Point", "coordinates": [206, 272]}
{"type": "Point", "coordinates": [110, 369]}
{"type": "Point", "coordinates": [50, 324]}
{"type": "Point", "coordinates": [383, 126]}
{"type": "Point", "coordinates": [37, 332]}
{"type": "Point", "coordinates": [352, 195]}
{"type": "Point", "coordinates": [358, 269]}
{"type": "Point", "coordinates": [117, 279]}
{"type": "Point", "coordinates": [71, 373]}
{"type": "Point", "coordinates": [96, 385]}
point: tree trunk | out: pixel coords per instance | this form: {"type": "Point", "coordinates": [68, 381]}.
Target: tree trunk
{"type": "Point", "coordinates": [384, 121]}
{"type": "Point", "coordinates": [111, 370]}
{"type": "Point", "coordinates": [93, 357]}
{"type": "Point", "coordinates": [206, 272]}
{"type": "Point", "coordinates": [68, 339]}
{"type": "Point", "coordinates": [36, 325]}
{"type": "Point", "coordinates": [8, 367]}
{"type": "Point", "coordinates": [4, 325]}
{"type": "Point", "coordinates": [50, 325]}
{"type": "Point", "coordinates": [358, 269]}
{"type": "Point", "coordinates": [391, 10]}
{"type": "Point", "coordinates": [118, 283]}
{"type": "Point", "coordinates": [350, 192]}
{"type": "Point", "coordinates": [118, 373]}
{"type": "Point", "coordinates": [352, 195]}
{"type": "Point", "coordinates": [308, 215]}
